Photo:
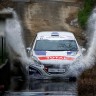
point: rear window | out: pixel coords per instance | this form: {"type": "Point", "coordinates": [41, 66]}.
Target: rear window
{"type": "Point", "coordinates": [56, 45]}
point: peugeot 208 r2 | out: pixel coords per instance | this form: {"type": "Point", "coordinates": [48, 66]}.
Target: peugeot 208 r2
{"type": "Point", "coordinates": [57, 51]}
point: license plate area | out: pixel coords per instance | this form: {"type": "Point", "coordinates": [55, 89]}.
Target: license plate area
{"type": "Point", "coordinates": [52, 70]}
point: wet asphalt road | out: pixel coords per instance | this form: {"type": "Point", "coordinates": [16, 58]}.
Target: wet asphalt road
{"type": "Point", "coordinates": [18, 87]}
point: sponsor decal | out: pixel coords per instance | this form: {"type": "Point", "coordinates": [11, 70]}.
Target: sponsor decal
{"type": "Point", "coordinates": [56, 57]}
{"type": "Point", "coordinates": [69, 52]}
{"type": "Point", "coordinates": [40, 52]}
{"type": "Point", "coordinates": [67, 37]}
{"type": "Point", "coordinates": [54, 34]}
{"type": "Point", "coordinates": [43, 38]}
{"type": "Point", "coordinates": [72, 53]}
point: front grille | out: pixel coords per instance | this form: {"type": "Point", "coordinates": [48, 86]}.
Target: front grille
{"type": "Point", "coordinates": [56, 66]}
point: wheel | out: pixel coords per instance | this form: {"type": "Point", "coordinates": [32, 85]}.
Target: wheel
{"type": "Point", "coordinates": [72, 79]}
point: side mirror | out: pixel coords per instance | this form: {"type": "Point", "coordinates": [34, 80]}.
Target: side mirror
{"type": "Point", "coordinates": [83, 49]}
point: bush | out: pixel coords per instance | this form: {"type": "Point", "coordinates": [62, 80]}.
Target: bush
{"type": "Point", "coordinates": [84, 13]}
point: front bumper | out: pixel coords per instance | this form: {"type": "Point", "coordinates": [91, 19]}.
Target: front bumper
{"type": "Point", "coordinates": [37, 72]}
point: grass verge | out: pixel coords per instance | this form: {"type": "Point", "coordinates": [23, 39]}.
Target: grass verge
{"type": "Point", "coordinates": [84, 13]}
{"type": "Point", "coordinates": [87, 83]}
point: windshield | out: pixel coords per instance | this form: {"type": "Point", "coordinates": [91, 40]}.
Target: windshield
{"type": "Point", "coordinates": [56, 45]}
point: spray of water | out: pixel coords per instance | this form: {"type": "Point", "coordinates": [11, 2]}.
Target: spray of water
{"type": "Point", "coordinates": [91, 54]}
{"type": "Point", "coordinates": [14, 39]}
{"type": "Point", "coordinates": [87, 61]}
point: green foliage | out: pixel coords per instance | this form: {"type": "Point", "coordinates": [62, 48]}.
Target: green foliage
{"type": "Point", "coordinates": [84, 13]}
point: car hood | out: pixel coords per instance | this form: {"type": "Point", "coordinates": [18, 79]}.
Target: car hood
{"type": "Point", "coordinates": [56, 57]}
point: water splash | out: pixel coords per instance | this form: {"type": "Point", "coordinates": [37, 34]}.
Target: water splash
{"type": "Point", "coordinates": [87, 61]}
{"type": "Point", "coordinates": [91, 53]}
{"type": "Point", "coordinates": [14, 39]}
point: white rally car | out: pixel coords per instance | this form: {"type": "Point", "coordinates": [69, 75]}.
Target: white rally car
{"type": "Point", "coordinates": [56, 52]}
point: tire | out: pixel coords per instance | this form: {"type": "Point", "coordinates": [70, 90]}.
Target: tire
{"type": "Point", "coordinates": [72, 79]}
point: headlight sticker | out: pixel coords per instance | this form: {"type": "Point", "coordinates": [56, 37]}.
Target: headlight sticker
{"type": "Point", "coordinates": [40, 52]}
{"type": "Point", "coordinates": [71, 53]}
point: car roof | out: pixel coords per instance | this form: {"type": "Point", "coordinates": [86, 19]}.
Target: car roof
{"type": "Point", "coordinates": [61, 34]}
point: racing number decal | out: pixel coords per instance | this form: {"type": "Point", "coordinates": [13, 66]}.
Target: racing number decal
{"type": "Point", "coordinates": [56, 57]}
